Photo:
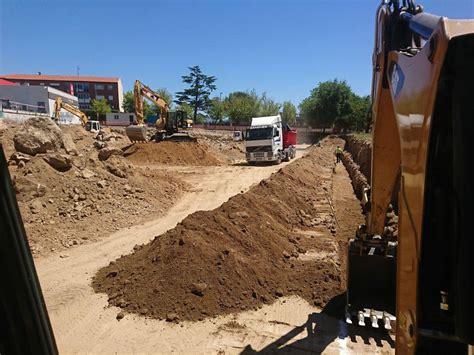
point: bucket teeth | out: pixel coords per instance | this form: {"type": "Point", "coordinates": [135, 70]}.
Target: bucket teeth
{"type": "Point", "coordinates": [361, 318]}
{"type": "Point", "coordinates": [374, 320]}
{"type": "Point", "coordinates": [348, 318]}
{"type": "Point", "coordinates": [386, 322]}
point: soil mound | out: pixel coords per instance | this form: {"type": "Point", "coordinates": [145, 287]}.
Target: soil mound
{"type": "Point", "coordinates": [172, 153]}
{"type": "Point", "coordinates": [70, 199]}
{"type": "Point", "coordinates": [271, 241]}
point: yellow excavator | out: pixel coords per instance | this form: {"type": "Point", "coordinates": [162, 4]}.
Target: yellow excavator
{"type": "Point", "coordinates": [90, 125]}
{"type": "Point", "coordinates": [167, 125]}
{"type": "Point", "coordinates": [423, 120]}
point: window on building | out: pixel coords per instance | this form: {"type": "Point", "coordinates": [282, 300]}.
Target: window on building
{"type": "Point", "coordinates": [84, 97]}
{"type": "Point", "coordinates": [42, 84]}
{"type": "Point", "coordinates": [130, 118]}
{"type": "Point", "coordinates": [41, 106]}
{"type": "Point", "coordinates": [110, 87]}
{"type": "Point", "coordinates": [116, 117]}
{"type": "Point", "coordinates": [84, 106]}
{"type": "Point", "coordinates": [111, 98]}
{"type": "Point", "coordinates": [79, 87]}
{"type": "Point", "coordinates": [53, 84]}
{"type": "Point", "coordinates": [99, 86]}
{"type": "Point", "coordinates": [99, 97]}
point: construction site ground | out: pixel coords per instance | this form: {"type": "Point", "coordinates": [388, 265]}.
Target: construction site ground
{"type": "Point", "coordinates": [303, 319]}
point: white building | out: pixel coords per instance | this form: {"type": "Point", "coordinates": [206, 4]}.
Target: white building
{"type": "Point", "coordinates": [119, 118]}
{"type": "Point", "coordinates": [29, 100]}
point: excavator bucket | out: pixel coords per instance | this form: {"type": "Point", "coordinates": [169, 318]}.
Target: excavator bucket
{"type": "Point", "coordinates": [136, 133]}
{"type": "Point", "coordinates": [371, 282]}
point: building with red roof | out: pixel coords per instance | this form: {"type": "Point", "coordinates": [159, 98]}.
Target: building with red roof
{"type": "Point", "coordinates": [86, 88]}
{"type": "Point", "coordinates": [4, 82]}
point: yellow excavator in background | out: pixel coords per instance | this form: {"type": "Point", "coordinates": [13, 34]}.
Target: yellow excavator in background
{"type": "Point", "coordinates": [168, 123]}
{"type": "Point", "coordinates": [423, 122]}
{"type": "Point", "coordinates": [90, 125]}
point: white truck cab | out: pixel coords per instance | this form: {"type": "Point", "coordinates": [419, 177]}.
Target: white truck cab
{"type": "Point", "coordinates": [264, 140]}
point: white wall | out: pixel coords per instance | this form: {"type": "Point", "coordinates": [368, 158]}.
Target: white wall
{"type": "Point", "coordinates": [120, 95]}
{"type": "Point", "coordinates": [31, 95]}
{"type": "Point", "coordinates": [118, 118]}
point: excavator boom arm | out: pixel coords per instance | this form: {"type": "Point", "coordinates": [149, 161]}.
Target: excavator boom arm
{"type": "Point", "coordinates": [142, 91]}
{"type": "Point", "coordinates": [422, 94]}
{"type": "Point", "coordinates": [60, 104]}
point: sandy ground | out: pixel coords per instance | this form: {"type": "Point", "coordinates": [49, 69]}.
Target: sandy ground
{"type": "Point", "coordinates": [83, 323]}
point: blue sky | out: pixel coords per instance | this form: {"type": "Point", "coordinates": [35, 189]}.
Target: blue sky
{"type": "Point", "coordinates": [283, 48]}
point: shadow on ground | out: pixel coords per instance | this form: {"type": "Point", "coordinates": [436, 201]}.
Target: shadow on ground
{"type": "Point", "coordinates": [323, 329]}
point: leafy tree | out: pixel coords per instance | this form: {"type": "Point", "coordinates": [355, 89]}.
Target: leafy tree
{"type": "Point", "coordinates": [128, 103]}
{"type": "Point", "coordinates": [201, 118]}
{"type": "Point", "coordinates": [268, 107]}
{"type": "Point", "coordinates": [327, 102]}
{"type": "Point", "coordinates": [241, 106]}
{"type": "Point", "coordinates": [200, 87]}
{"type": "Point", "coordinates": [216, 110]}
{"type": "Point", "coordinates": [288, 114]}
{"type": "Point", "coordinates": [360, 107]}
{"type": "Point", "coordinates": [100, 107]}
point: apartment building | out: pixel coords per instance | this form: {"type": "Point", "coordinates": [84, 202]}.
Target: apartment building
{"type": "Point", "coordinates": [86, 88]}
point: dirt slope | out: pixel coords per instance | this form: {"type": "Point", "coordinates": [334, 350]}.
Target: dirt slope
{"type": "Point", "coordinates": [88, 201]}
{"type": "Point", "coordinates": [172, 153]}
{"type": "Point", "coordinates": [272, 241]}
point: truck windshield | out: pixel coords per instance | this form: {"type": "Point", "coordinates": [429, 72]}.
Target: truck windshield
{"type": "Point", "coordinates": [259, 133]}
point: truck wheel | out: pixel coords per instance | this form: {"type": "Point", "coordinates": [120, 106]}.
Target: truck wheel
{"type": "Point", "coordinates": [278, 161]}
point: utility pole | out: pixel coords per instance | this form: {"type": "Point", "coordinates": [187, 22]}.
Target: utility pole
{"type": "Point", "coordinates": [77, 70]}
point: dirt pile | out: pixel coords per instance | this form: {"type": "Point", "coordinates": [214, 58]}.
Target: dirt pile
{"type": "Point", "coordinates": [361, 151]}
{"type": "Point", "coordinates": [274, 240]}
{"type": "Point", "coordinates": [67, 199]}
{"type": "Point", "coordinates": [359, 181]}
{"type": "Point", "coordinates": [172, 153]}
{"type": "Point", "coordinates": [222, 143]}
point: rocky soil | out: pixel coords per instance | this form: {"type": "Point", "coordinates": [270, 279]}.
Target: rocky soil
{"type": "Point", "coordinates": [74, 187]}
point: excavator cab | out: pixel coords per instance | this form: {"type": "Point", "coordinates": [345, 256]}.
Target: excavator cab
{"type": "Point", "coordinates": [93, 126]}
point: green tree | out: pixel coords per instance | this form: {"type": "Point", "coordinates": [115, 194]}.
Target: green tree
{"type": "Point", "coordinates": [200, 87]}
{"type": "Point", "coordinates": [128, 103]}
{"type": "Point", "coordinates": [268, 107]}
{"type": "Point", "coordinates": [216, 110]}
{"type": "Point", "coordinates": [100, 107]}
{"type": "Point", "coordinates": [327, 102]}
{"type": "Point", "coordinates": [288, 113]}
{"type": "Point", "coordinates": [360, 106]}
{"type": "Point", "coordinates": [241, 106]}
